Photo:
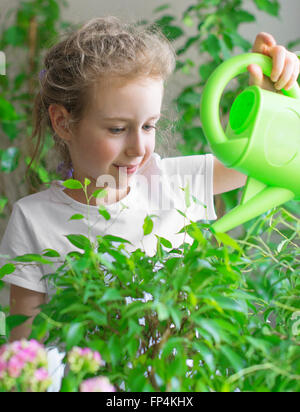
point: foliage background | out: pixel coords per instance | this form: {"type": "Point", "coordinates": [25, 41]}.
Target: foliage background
{"type": "Point", "coordinates": [205, 33]}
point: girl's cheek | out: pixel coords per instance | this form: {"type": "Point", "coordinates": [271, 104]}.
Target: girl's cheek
{"type": "Point", "coordinates": [107, 150]}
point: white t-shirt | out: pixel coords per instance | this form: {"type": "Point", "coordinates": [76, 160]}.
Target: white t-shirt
{"type": "Point", "coordinates": [41, 221]}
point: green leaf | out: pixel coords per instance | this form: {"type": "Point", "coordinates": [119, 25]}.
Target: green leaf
{"type": "Point", "coordinates": [281, 245]}
{"type": "Point", "coordinates": [229, 304]}
{"type": "Point", "coordinates": [87, 182]}
{"type": "Point", "coordinates": [7, 269]}
{"type": "Point", "coordinates": [212, 46]}
{"type": "Point", "coordinates": [206, 353]}
{"type": "Point", "coordinates": [162, 8]}
{"type": "Point", "coordinates": [235, 360]}
{"type": "Point", "coordinates": [210, 3]}
{"type": "Point", "coordinates": [69, 384]}
{"type": "Point", "coordinates": [98, 317]}
{"type": "Point", "coordinates": [51, 253]}
{"type": "Point", "coordinates": [73, 334]}
{"type": "Point", "coordinates": [114, 349]}
{"type": "Point", "coordinates": [187, 195]}
{"type": "Point", "coordinates": [205, 70]}
{"type": "Point", "coordinates": [260, 344]}
{"type": "Point", "coordinates": [210, 327]}
{"type": "Point", "coordinates": [3, 202]}
{"type": "Point", "coordinates": [15, 36]}
{"type": "Point", "coordinates": [162, 311]}
{"type": "Point", "coordinates": [172, 32]}
{"type": "Point", "coordinates": [72, 184]}
{"type": "Point", "coordinates": [190, 98]}
{"type": "Point", "coordinates": [9, 159]}
{"type": "Point", "coordinates": [99, 193]}
{"type": "Point", "coordinates": [227, 240]}
{"type": "Point", "coordinates": [116, 239]}
{"type": "Point", "coordinates": [165, 20]}
{"type": "Point", "coordinates": [75, 308]}
{"type": "Point", "coordinates": [182, 214]}
{"type": "Point", "coordinates": [225, 50]}
{"type": "Point", "coordinates": [270, 6]}
{"type": "Point", "coordinates": [239, 41]}
{"type": "Point", "coordinates": [111, 295]}
{"type": "Point", "coordinates": [243, 16]}
{"type": "Point", "coordinates": [196, 233]}
{"type": "Point", "coordinates": [10, 129]}
{"type": "Point", "coordinates": [80, 241]}
{"type": "Point", "coordinates": [292, 44]}
{"type": "Point", "coordinates": [165, 242]}
{"type": "Point", "coordinates": [188, 21]}
{"type": "Point", "coordinates": [20, 80]}
{"type": "Point", "coordinates": [148, 225]}
{"type": "Point", "coordinates": [103, 212]}
{"type": "Point", "coordinates": [13, 321]}
{"type": "Point", "coordinates": [31, 257]}
{"type": "Point", "coordinates": [186, 69]}
{"type": "Point", "coordinates": [77, 216]}
{"type": "Point", "coordinates": [176, 316]}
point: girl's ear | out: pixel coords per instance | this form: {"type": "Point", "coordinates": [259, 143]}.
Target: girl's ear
{"type": "Point", "coordinates": [59, 119]}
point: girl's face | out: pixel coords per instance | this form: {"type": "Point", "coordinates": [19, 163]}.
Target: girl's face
{"type": "Point", "coordinates": [118, 129]}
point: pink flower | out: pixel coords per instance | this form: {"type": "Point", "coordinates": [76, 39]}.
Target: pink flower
{"type": "Point", "coordinates": [84, 359]}
{"type": "Point", "coordinates": [3, 349]}
{"type": "Point", "coordinates": [17, 345]}
{"type": "Point", "coordinates": [97, 357]}
{"type": "Point", "coordinates": [15, 367]}
{"type": "Point", "coordinates": [27, 354]}
{"type": "Point", "coordinates": [41, 374]}
{"type": "Point", "coordinates": [85, 351]}
{"type": "Point", "coordinates": [98, 384]}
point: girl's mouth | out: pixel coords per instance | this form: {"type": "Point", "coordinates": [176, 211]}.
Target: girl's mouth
{"type": "Point", "coordinates": [129, 170]}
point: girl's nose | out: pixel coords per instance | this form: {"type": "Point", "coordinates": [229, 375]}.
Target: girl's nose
{"type": "Point", "coordinates": [136, 145]}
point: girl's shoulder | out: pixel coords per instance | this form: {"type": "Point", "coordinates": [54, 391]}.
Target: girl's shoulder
{"type": "Point", "coordinates": [34, 203]}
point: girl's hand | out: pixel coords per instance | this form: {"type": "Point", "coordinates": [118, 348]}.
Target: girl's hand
{"type": "Point", "coordinates": [286, 65]}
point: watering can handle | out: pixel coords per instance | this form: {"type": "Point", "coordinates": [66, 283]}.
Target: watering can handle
{"type": "Point", "coordinates": [216, 84]}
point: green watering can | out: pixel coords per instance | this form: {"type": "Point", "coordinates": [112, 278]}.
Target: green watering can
{"type": "Point", "coordinates": [262, 139]}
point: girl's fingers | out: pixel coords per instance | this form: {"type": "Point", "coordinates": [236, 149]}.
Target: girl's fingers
{"type": "Point", "coordinates": [295, 75]}
{"type": "Point", "coordinates": [278, 54]}
{"type": "Point", "coordinates": [263, 42]}
{"type": "Point", "coordinates": [286, 65]}
{"type": "Point", "coordinates": [256, 75]}
{"type": "Point", "coordinates": [287, 73]}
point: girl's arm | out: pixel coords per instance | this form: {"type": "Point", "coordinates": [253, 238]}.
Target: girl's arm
{"type": "Point", "coordinates": [226, 179]}
{"type": "Point", "coordinates": [24, 302]}
{"type": "Point", "coordinates": [286, 67]}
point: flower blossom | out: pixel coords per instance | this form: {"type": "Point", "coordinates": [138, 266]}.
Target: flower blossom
{"type": "Point", "coordinates": [98, 384]}
{"type": "Point", "coordinates": [84, 360]}
{"type": "Point", "coordinates": [23, 365]}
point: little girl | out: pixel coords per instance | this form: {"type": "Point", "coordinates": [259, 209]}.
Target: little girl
{"type": "Point", "coordinates": [100, 96]}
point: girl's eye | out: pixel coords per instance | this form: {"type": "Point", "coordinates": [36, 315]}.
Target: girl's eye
{"type": "Point", "coordinates": [149, 127]}
{"type": "Point", "coordinates": [118, 130]}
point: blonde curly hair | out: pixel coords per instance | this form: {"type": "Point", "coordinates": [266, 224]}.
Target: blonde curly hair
{"type": "Point", "coordinates": [101, 47]}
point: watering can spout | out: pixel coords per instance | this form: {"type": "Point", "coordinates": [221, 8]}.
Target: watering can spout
{"type": "Point", "coordinates": [262, 139]}
{"type": "Point", "coordinates": [266, 199]}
